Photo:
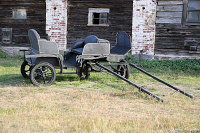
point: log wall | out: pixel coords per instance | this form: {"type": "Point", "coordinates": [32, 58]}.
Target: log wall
{"type": "Point", "coordinates": [36, 18]}
{"type": "Point", "coordinates": [120, 19]}
{"type": "Point", "coordinates": [173, 34]}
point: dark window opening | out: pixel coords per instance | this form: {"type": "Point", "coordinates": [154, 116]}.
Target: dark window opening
{"type": "Point", "coordinates": [100, 18]}
{"type": "Point", "coordinates": [96, 18]}
{"type": "Point", "coordinates": [7, 35]}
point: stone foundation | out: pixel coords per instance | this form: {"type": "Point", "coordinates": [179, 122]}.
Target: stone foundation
{"type": "Point", "coordinates": [163, 57]}
{"type": "Point", "coordinates": [14, 51]}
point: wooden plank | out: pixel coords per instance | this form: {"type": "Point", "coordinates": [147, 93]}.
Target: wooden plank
{"type": "Point", "coordinates": [176, 8]}
{"type": "Point", "coordinates": [168, 20]}
{"type": "Point", "coordinates": [170, 14]}
{"type": "Point", "coordinates": [170, 3]}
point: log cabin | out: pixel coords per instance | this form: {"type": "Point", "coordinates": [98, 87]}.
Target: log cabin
{"type": "Point", "coordinates": [162, 27]}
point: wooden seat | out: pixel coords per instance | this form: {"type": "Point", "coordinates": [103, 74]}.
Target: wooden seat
{"type": "Point", "coordinates": [78, 46]}
{"type": "Point", "coordinates": [123, 44]}
{"type": "Point", "coordinates": [41, 46]}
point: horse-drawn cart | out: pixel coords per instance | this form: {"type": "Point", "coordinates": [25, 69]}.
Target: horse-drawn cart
{"type": "Point", "coordinates": [40, 64]}
{"type": "Point", "coordinates": [85, 55]}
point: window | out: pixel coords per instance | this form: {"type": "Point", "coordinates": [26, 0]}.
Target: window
{"type": "Point", "coordinates": [7, 35]}
{"type": "Point", "coordinates": [98, 17]}
{"type": "Point", "coordinates": [19, 14]}
{"type": "Point", "coordinates": [193, 12]}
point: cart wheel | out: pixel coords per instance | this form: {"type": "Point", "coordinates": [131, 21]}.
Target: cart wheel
{"type": "Point", "coordinates": [123, 70]}
{"type": "Point", "coordinates": [25, 70]}
{"type": "Point", "coordinates": [83, 72]}
{"type": "Point", "coordinates": [43, 74]}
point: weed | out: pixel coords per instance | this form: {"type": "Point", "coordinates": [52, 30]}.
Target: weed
{"type": "Point", "coordinates": [189, 67]}
{"type": "Point", "coordinates": [3, 55]}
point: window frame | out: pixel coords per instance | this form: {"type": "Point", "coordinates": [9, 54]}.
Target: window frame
{"type": "Point", "coordinates": [100, 11]}
{"type": "Point", "coordinates": [6, 41]}
{"type": "Point", "coordinates": [185, 15]}
{"type": "Point", "coordinates": [14, 13]}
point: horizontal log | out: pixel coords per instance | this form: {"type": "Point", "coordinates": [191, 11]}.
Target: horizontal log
{"type": "Point", "coordinates": [168, 20]}
{"type": "Point", "coordinates": [170, 8]}
{"type": "Point", "coordinates": [170, 3]}
{"type": "Point", "coordinates": [170, 14]}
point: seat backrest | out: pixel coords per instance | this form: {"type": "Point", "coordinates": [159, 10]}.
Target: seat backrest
{"type": "Point", "coordinates": [77, 44]}
{"type": "Point", "coordinates": [90, 39]}
{"type": "Point", "coordinates": [41, 46]}
{"type": "Point", "coordinates": [34, 39]}
{"type": "Point", "coordinates": [123, 40]}
{"type": "Point", "coordinates": [48, 47]}
{"type": "Point", "coordinates": [101, 48]}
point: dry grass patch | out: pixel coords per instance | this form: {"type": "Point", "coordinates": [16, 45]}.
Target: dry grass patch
{"type": "Point", "coordinates": [25, 109]}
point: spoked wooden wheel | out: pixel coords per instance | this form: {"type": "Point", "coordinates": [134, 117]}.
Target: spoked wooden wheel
{"type": "Point", "coordinates": [123, 70]}
{"type": "Point", "coordinates": [43, 74]}
{"type": "Point", "coordinates": [25, 70]}
{"type": "Point", "coordinates": [83, 72]}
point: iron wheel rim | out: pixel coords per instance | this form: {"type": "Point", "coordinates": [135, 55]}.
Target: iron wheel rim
{"type": "Point", "coordinates": [26, 69]}
{"type": "Point", "coordinates": [43, 74]}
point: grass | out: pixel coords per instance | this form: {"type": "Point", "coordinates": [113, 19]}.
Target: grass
{"type": "Point", "coordinates": [102, 103]}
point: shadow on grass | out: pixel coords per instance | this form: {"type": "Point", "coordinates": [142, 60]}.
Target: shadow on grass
{"type": "Point", "coordinates": [8, 65]}
{"type": "Point", "coordinates": [135, 94]}
{"type": "Point", "coordinates": [67, 78]}
{"type": "Point", "coordinates": [11, 62]}
{"type": "Point", "coordinates": [14, 80]}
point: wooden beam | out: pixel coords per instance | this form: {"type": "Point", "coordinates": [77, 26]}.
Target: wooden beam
{"type": "Point", "coordinates": [177, 8]}
{"type": "Point", "coordinates": [170, 3]}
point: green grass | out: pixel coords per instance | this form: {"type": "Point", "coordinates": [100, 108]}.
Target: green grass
{"type": "Point", "coordinates": [185, 67]}
{"type": "Point", "coordinates": [3, 55]}
{"type": "Point", "coordinates": [103, 103]}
